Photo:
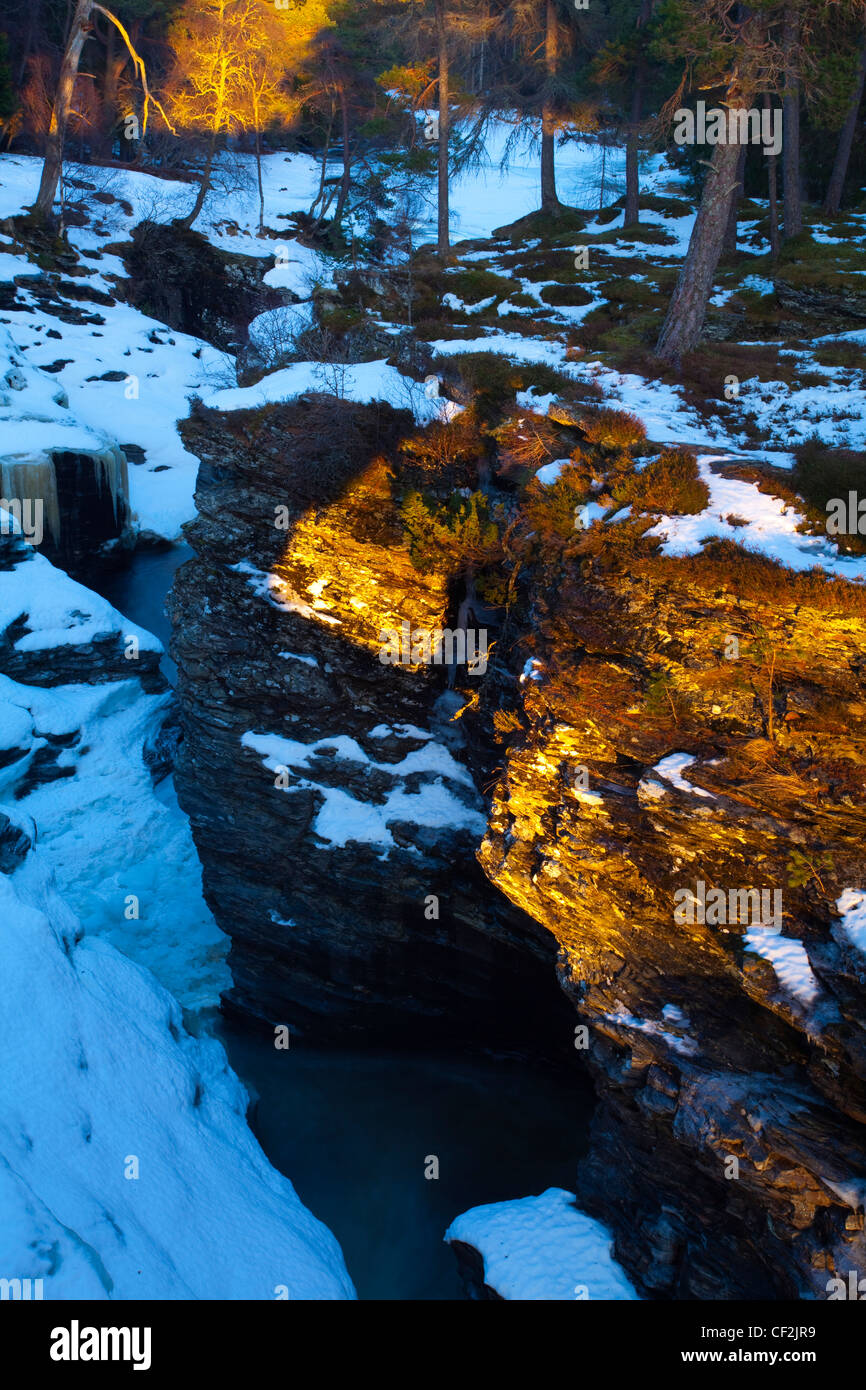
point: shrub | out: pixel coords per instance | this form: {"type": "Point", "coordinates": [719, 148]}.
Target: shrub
{"type": "Point", "coordinates": [822, 473]}
{"type": "Point", "coordinates": [613, 429]}
{"type": "Point", "coordinates": [670, 484]}
{"type": "Point", "coordinates": [724, 565]}
{"type": "Point", "coordinates": [550, 510]}
{"type": "Point", "coordinates": [459, 534]}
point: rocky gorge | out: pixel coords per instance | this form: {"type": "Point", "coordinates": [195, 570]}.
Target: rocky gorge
{"type": "Point", "coordinates": [534, 824]}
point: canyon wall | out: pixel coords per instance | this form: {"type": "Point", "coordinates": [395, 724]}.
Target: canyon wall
{"type": "Point", "coordinates": [612, 760]}
{"type": "Point", "coordinates": [348, 880]}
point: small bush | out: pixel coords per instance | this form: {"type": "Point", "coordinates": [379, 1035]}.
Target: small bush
{"type": "Point", "coordinates": [613, 429]}
{"type": "Point", "coordinates": [459, 535]}
{"type": "Point", "coordinates": [670, 484]}
{"type": "Point", "coordinates": [550, 510]}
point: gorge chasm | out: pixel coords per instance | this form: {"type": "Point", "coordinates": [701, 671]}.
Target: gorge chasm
{"type": "Point", "coordinates": [499, 862]}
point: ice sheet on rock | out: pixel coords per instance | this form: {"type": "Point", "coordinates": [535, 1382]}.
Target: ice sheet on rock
{"type": "Point", "coordinates": [683, 1044]}
{"type": "Point", "coordinates": [543, 1248]}
{"type": "Point", "coordinates": [672, 768]}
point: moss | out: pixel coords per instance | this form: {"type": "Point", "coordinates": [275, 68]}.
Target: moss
{"type": "Point", "coordinates": [648, 232]}
{"type": "Point", "coordinates": [566, 294]}
{"type": "Point", "coordinates": [667, 207]}
{"type": "Point", "coordinates": [843, 354]}
{"type": "Point", "coordinates": [546, 225]}
{"type": "Point", "coordinates": [637, 292]}
{"type": "Point", "coordinates": [475, 284]}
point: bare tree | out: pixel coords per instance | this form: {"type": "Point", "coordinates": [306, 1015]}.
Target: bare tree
{"type": "Point", "coordinates": [78, 34]}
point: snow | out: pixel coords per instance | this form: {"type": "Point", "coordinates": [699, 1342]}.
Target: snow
{"type": "Point", "coordinates": [360, 381]}
{"type": "Point", "coordinates": [293, 656]}
{"type": "Point", "coordinates": [684, 1045]}
{"type": "Point", "coordinates": [343, 818]}
{"type": "Point", "coordinates": [99, 1076]}
{"type": "Point", "coordinates": [543, 1249]}
{"type": "Point", "coordinates": [106, 832]}
{"type": "Point", "coordinates": [790, 962]}
{"type": "Point", "coordinates": [549, 472]}
{"type": "Point", "coordinates": [672, 768]}
{"type": "Point", "coordinates": [58, 611]}
{"type": "Point", "coordinates": [280, 594]}
{"type": "Point", "coordinates": [851, 906]}
{"type": "Point", "coordinates": [771, 530]}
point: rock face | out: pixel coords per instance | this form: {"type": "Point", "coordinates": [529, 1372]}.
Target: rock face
{"type": "Point", "coordinates": [330, 800]}
{"type": "Point", "coordinates": [177, 276]}
{"type": "Point", "coordinates": [641, 771]}
{"type": "Point", "coordinates": [728, 1148]}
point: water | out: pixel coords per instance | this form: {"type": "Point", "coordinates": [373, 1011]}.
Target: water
{"type": "Point", "coordinates": [139, 590]}
{"type": "Point", "coordinates": [354, 1129]}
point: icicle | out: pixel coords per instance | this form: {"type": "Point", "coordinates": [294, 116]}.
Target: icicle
{"type": "Point", "coordinates": [112, 473]}
{"type": "Point", "coordinates": [32, 479]}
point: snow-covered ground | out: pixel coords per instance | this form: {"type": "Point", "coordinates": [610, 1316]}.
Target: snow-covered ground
{"type": "Point", "coordinates": [128, 1169]}
{"type": "Point", "coordinates": [543, 1248]}
{"type": "Point", "coordinates": [770, 529]}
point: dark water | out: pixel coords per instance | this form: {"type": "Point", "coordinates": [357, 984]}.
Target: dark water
{"type": "Point", "coordinates": [354, 1130]}
{"type": "Point", "coordinates": [139, 590]}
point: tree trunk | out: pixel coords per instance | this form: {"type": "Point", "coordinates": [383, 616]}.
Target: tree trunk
{"type": "Point", "coordinates": [632, 181]}
{"type": "Point", "coordinates": [114, 65]}
{"type": "Point", "coordinates": [203, 188]}
{"type": "Point", "coordinates": [729, 245]}
{"type": "Point", "coordinates": [772, 194]}
{"type": "Point", "coordinates": [833, 200]}
{"type": "Point", "coordinates": [444, 236]}
{"type": "Point", "coordinates": [259, 175]}
{"type": "Point", "coordinates": [793, 219]}
{"type": "Point", "coordinates": [632, 147]}
{"type": "Point", "coordinates": [549, 200]}
{"type": "Point", "coordinates": [53, 162]}
{"type": "Point", "coordinates": [685, 317]}
{"type": "Point", "coordinates": [345, 182]}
